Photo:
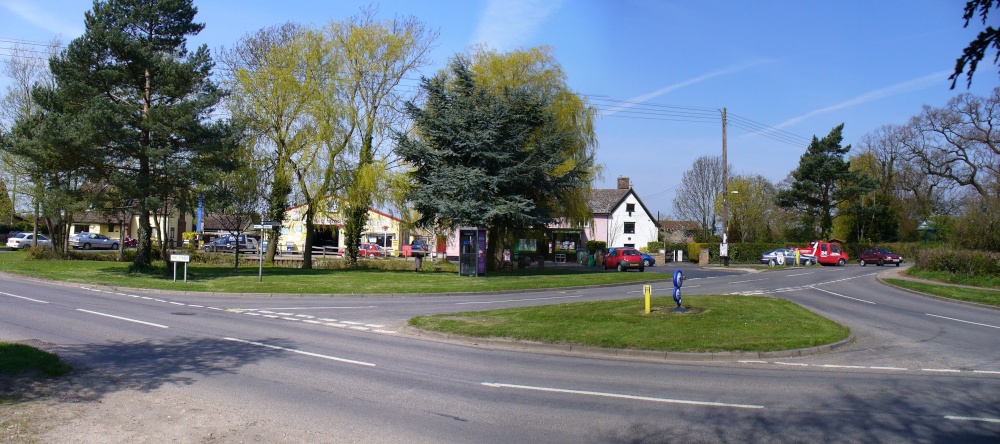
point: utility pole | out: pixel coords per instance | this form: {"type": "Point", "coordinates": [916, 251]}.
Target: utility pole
{"type": "Point", "coordinates": [724, 248]}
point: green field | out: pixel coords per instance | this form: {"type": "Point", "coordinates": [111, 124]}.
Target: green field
{"type": "Point", "coordinates": [715, 324]}
{"type": "Point", "coordinates": [982, 296]}
{"type": "Point", "coordinates": [370, 278]}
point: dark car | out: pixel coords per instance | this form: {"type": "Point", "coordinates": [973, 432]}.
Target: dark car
{"type": "Point", "coordinates": [419, 247]}
{"type": "Point", "coordinates": [880, 257]}
{"type": "Point", "coordinates": [624, 259]}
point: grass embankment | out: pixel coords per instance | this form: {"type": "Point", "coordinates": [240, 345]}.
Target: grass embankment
{"type": "Point", "coordinates": [369, 279]}
{"type": "Point", "coordinates": [982, 296]}
{"type": "Point", "coordinates": [951, 278]}
{"type": "Point", "coordinates": [19, 359]}
{"type": "Point", "coordinates": [715, 324]}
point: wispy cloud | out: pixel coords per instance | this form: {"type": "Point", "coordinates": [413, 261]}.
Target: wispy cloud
{"type": "Point", "coordinates": [648, 96]}
{"type": "Point", "coordinates": [37, 15]}
{"type": "Point", "coordinates": [508, 24]}
{"type": "Point", "coordinates": [899, 88]}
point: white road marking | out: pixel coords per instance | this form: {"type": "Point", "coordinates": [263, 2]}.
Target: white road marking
{"type": "Point", "coordinates": [753, 362]}
{"type": "Point", "coordinates": [518, 300]}
{"type": "Point", "coordinates": [972, 418]}
{"type": "Point", "coordinates": [337, 325]}
{"type": "Point", "coordinates": [940, 370]}
{"type": "Point", "coordinates": [374, 325]}
{"type": "Point", "coordinates": [840, 295]}
{"type": "Point", "coordinates": [178, 303]}
{"type": "Point", "coordinates": [314, 308]}
{"type": "Point", "coordinates": [621, 396]}
{"type": "Point", "coordinates": [317, 355]}
{"type": "Point", "coordinates": [385, 331]}
{"type": "Point", "coordinates": [146, 298]}
{"type": "Point", "coordinates": [751, 280]}
{"type": "Point", "coordinates": [196, 306]}
{"type": "Point", "coordinates": [842, 366]}
{"type": "Point", "coordinates": [986, 372]}
{"type": "Point", "coordinates": [310, 321]}
{"type": "Point", "coordinates": [121, 318]}
{"type": "Point", "coordinates": [284, 314]}
{"type": "Point", "coordinates": [25, 298]}
{"type": "Point", "coordinates": [352, 323]}
{"type": "Point", "coordinates": [800, 274]}
{"type": "Point", "coordinates": [270, 316]}
{"type": "Point", "coordinates": [356, 327]}
{"type": "Point", "coordinates": [797, 364]}
{"type": "Point", "coordinates": [959, 320]}
{"type": "Point", "coordinates": [290, 319]}
{"type": "Point", "coordinates": [887, 368]}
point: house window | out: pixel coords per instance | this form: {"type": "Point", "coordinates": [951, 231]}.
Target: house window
{"type": "Point", "coordinates": [630, 208]}
{"type": "Point", "coordinates": [111, 228]}
{"type": "Point", "coordinates": [629, 227]}
{"type": "Point", "coordinates": [629, 245]}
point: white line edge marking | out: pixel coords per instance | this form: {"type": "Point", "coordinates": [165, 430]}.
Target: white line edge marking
{"type": "Point", "coordinates": [988, 372]}
{"type": "Point", "coordinates": [315, 355]}
{"type": "Point", "coordinates": [797, 364]}
{"type": "Point", "coordinates": [800, 274]}
{"type": "Point", "coordinates": [941, 370]}
{"type": "Point", "coordinates": [972, 418]}
{"type": "Point", "coordinates": [842, 366]}
{"type": "Point", "coordinates": [519, 300]}
{"type": "Point", "coordinates": [263, 310]}
{"type": "Point", "coordinates": [22, 297]}
{"type": "Point", "coordinates": [621, 396]}
{"type": "Point", "coordinates": [959, 320]}
{"type": "Point", "coordinates": [753, 362]}
{"type": "Point", "coordinates": [121, 318]}
{"type": "Point", "coordinates": [840, 295]}
{"type": "Point", "coordinates": [887, 368]}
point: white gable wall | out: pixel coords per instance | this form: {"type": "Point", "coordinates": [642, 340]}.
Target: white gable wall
{"type": "Point", "coordinates": [645, 227]}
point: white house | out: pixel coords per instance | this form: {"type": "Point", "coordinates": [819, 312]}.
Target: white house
{"type": "Point", "coordinates": [620, 217]}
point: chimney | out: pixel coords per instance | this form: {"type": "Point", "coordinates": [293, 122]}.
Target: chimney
{"type": "Point", "coordinates": [623, 183]}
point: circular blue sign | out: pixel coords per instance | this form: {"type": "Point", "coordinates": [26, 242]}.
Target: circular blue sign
{"type": "Point", "coordinates": [677, 296]}
{"type": "Point", "coordinates": [678, 278]}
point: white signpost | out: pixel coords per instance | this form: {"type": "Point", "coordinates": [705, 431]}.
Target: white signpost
{"type": "Point", "coordinates": [184, 258]}
{"type": "Point", "coordinates": [266, 225]}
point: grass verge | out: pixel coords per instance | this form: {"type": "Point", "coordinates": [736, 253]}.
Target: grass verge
{"type": "Point", "coordinates": [944, 276]}
{"type": "Point", "coordinates": [18, 359]}
{"type": "Point", "coordinates": [277, 279]}
{"type": "Point", "coordinates": [715, 324]}
{"type": "Point", "coordinates": [982, 296]}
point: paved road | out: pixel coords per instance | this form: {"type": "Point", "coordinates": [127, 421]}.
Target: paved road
{"type": "Point", "coordinates": [339, 369]}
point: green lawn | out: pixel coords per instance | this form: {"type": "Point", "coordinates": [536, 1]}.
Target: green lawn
{"type": "Point", "coordinates": [716, 324]}
{"type": "Point", "coordinates": [982, 296]}
{"type": "Point", "coordinates": [371, 280]}
{"type": "Point", "coordinates": [943, 276]}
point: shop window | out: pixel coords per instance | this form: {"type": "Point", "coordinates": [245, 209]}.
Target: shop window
{"type": "Point", "coordinates": [629, 227]}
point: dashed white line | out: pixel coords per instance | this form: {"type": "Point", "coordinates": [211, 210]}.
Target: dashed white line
{"type": "Point", "coordinates": [751, 280]}
{"type": "Point", "coordinates": [196, 306]}
{"type": "Point", "coordinates": [622, 396]}
{"type": "Point", "coordinates": [290, 319]}
{"type": "Point", "coordinates": [518, 300]}
{"type": "Point", "coordinates": [25, 298]}
{"type": "Point", "coordinates": [374, 325]}
{"type": "Point", "coordinates": [840, 295]}
{"type": "Point", "coordinates": [357, 327]}
{"type": "Point", "coordinates": [385, 331]}
{"type": "Point", "coordinates": [972, 418]}
{"type": "Point", "coordinates": [352, 323]}
{"type": "Point", "coordinates": [317, 355]}
{"type": "Point", "coordinates": [988, 372]}
{"type": "Point", "coordinates": [887, 368]}
{"type": "Point", "coordinates": [842, 366]}
{"type": "Point", "coordinates": [959, 320]}
{"type": "Point", "coordinates": [797, 364]}
{"type": "Point", "coordinates": [178, 303]}
{"type": "Point", "coordinates": [800, 274]}
{"type": "Point", "coordinates": [310, 321]}
{"type": "Point", "coordinates": [122, 319]}
{"type": "Point", "coordinates": [753, 362]}
{"type": "Point", "coordinates": [941, 370]}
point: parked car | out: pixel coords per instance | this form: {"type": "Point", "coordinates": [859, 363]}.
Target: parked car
{"type": "Point", "coordinates": [227, 244]}
{"type": "Point", "coordinates": [20, 241]}
{"type": "Point", "coordinates": [880, 257]}
{"type": "Point", "coordinates": [783, 256]}
{"type": "Point", "coordinates": [624, 259]}
{"type": "Point", "coordinates": [419, 247]}
{"type": "Point", "coordinates": [826, 253]}
{"type": "Point", "coordinates": [647, 260]}
{"type": "Point", "coordinates": [370, 251]}
{"type": "Point", "coordinates": [89, 241]}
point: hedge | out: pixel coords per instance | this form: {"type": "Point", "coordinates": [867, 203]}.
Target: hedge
{"type": "Point", "coordinates": [971, 263]}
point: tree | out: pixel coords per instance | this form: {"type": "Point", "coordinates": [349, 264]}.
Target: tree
{"type": "Point", "coordinates": [142, 102]}
{"type": "Point", "coordinates": [377, 56]}
{"type": "Point", "coordinates": [235, 199]}
{"type": "Point", "coordinates": [751, 201]}
{"type": "Point", "coordinates": [696, 197]}
{"type": "Point", "coordinates": [538, 71]}
{"type": "Point", "coordinates": [822, 181]}
{"type": "Point", "coordinates": [989, 37]}
{"type": "Point", "coordinates": [477, 158]}
{"type": "Point", "coordinates": [959, 142]}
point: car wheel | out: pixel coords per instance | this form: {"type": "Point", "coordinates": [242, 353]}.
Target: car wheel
{"type": "Point", "coordinates": [114, 246]}
{"type": "Point", "coordinates": [770, 263]}
{"type": "Point", "coordinates": [641, 269]}
{"type": "Point", "coordinates": [841, 262]}
{"type": "Point", "coordinates": [86, 246]}
{"type": "Point", "coordinates": [881, 262]}
{"type": "Point", "coordinates": [897, 264]}
{"type": "Point", "coordinates": [371, 256]}
{"type": "Point", "coordinates": [645, 263]}
{"type": "Point", "coordinates": [620, 267]}
{"type": "Point", "coordinates": [863, 263]}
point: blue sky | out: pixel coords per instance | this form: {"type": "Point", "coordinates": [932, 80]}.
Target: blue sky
{"type": "Point", "coordinates": [660, 71]}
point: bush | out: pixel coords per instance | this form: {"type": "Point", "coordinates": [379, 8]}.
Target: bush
{"type": "Point", "coordinates": [740, 253]}
{"type": "Point", "coordinates": [970, 263]}
{"type": "Point", "coordinates": [594, 246]}
{"type": "Point", "coordinates": [40, 253]}
{"type": "Point", "coordinates": [652, 247]}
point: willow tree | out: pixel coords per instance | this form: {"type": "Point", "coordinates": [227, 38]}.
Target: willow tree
{"type": "Point", "coordinates": [537, 72]}
{"type": "Point", "coordinates": [377, 55]}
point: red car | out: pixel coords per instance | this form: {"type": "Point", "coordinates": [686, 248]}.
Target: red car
{"type": "Point", "coordinates": [624, 259]}
{"type": "Point", "coordinates": [370, 251]}
{"type": "Point", "coordinates": [880, 257]}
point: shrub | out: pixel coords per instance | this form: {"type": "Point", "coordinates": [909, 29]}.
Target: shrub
{"type": "Point", "coordinates": [593, 246]}
{"type": "Point", "coordinates": [40, 253]}
{"type": "Point", "coordinates": [652, 247]}
{"type": "Point", "coordinates": [970, 263]}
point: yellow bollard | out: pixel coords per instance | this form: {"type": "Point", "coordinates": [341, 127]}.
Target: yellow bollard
{"type": "Point", "coordinates": [647, 290]}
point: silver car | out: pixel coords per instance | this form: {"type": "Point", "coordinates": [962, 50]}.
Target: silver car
{"type": "Point", "coordinates": [89, 241]}
{"type": "Point", "coordinates": [22, 241]}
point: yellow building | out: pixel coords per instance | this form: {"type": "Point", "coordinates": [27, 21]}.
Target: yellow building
{"type": "Point", "coordinates": [383, 229]}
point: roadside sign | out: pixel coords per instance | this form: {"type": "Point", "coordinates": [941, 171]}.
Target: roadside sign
{"type": "Point", "coordinates": [180, 258]}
